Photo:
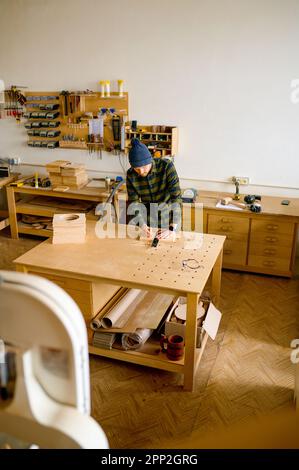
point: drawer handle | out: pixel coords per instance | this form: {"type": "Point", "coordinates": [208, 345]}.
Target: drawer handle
{"type": "Point", "coordinates": [271, 239]}
{"type": "Point", "coordinates": [270, 251]}
{"type": "Point", "coordinates": [227, 252]}
{"type": "Point", "coordinates": [224, 220]}
{"type": "Point", "coordinates": [272, 227]}
{"type": "Point", "coordinates": [226, 228]}
{"type": "Point", "coordinates": [269, 263]}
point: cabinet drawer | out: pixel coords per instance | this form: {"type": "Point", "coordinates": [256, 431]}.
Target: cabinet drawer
{"type": "Point", "coordinates": [89, 296]}
{"type": "Point", "coordinates": [233, 236]}
{"type": "Point", "coordinates": [234, 252]}
{"type": "Point", "coordinates": [272, 226]}
{"type": "Point", "coordinates": [270, 251]}
{"type": "Point", "coordinates": [268, 262]}
{"type": "Point", "coordinates": [226, 224]}
{"type": "Point", "coordinates": [271, 239]}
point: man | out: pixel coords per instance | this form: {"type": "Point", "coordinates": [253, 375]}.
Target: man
{"type": "Point", "coordinates": [154, 183]}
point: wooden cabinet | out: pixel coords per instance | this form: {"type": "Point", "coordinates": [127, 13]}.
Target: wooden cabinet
{"type": "Point", "coordinates": [89, 296]}
{"type": "Point", "coordinates": [236, 230]}
{"type": "Point", "coordinates": [263, 243]}
{"type": "Point", "coordinates": [271, 244]}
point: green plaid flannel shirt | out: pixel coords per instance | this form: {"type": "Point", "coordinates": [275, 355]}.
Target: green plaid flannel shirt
{"type": "Point", "coordinates": [161, 187]}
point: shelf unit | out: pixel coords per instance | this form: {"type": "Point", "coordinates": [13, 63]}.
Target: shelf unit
{"type": "Point", "coordinates": [25, 205]}
{"type": "Point", "coordinates": [162, 141]}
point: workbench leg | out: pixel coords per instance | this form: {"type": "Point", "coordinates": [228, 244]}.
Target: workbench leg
{"type": "Point", "coordinates": [190, 341]}
{"type": "Point", "coordinates": [216, 279]}
{"type": "Point", "coordinates": [21, 269]}
{"type": "Point", "coordinates": [12, 212]}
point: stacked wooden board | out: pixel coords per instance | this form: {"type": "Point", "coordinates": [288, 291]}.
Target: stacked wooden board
{"type": "Point", "coordinates": [66, 173]}
{"type": "Point", "coordinates": [69, 228]}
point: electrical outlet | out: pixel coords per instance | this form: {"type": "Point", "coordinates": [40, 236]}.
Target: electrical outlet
{"type": "Point", "coordinates": [240, 179]}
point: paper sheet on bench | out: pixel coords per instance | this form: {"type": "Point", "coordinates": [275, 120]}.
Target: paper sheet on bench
{"type": "Point", "coordinates": [228, 206]}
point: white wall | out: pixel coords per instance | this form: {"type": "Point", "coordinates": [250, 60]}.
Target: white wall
{"type": "Point", "coordinates": [218, 69]}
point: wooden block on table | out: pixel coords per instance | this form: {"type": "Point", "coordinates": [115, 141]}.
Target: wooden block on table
{"type": "Point", "coordinates": [61, 188]}
{"type": "Point", "coordinates": [69, 220]}
{"type": "Point", "coordinates": [79, 179]}
{"type": "Point", "coordinates": [69, 228]}
{"type": "Point", "coordinates": [55, 167]}
{"type": "Point", "coordinates": [55, 180]}
{"type": "Point", "coordinates": [73, 169]}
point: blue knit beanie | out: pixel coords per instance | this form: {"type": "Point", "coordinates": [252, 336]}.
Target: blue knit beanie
{"type": "Point", "coordinates": [139, 154]}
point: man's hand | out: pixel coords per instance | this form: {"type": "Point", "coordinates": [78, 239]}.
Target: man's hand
{"type": "Point", "coordinates": [163, 234]}
{"type": "Point", "coordinates": [146, 230]}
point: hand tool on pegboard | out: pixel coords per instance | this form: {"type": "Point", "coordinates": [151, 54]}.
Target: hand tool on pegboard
{"type": "Point", "coordinates": [65, 94]}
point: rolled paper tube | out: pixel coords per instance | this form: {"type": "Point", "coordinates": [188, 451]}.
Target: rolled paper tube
{"type": "Point", "coordinates": [114, 315]}
{"type": "Point", "coordinates": [136, 339]}
{"type": "Point", "coordinates": [96, 323]}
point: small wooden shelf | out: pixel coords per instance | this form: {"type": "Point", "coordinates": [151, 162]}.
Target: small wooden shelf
{"type": "Point", "coordinates": [23, 228]}
{"type": "Point", "coordinates": [28, 103]}
{"type": "Point", "coordinates": [167, 147]}
{"type": "Point", "coordinates": [30, 208]}
{"type": "Point", "coordinates": [40, 137]}
{"type": "Point", "coordinates": [73, 145]}
{"type": "Point", "coordinates": [148, 132]}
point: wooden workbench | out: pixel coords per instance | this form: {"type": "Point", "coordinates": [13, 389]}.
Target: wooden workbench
{"type": "Point", "coordinates": [134, 264]}
{"type": "Point", "coordinates": [24, 206]}
{"type": "Point", "coordinates": [4, 182]}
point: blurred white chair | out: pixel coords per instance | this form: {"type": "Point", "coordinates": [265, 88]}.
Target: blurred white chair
{"type": "Point", "coordinates": [44, 375]}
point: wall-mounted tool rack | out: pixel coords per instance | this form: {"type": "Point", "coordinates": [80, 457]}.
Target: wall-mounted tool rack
{"type": "Point", "coordinates": [43, 119]}
{"type": "Point", "coordinates": [162, 141]}
{"type": "Point", "coordinates": [67, 119]}
{"type": "Point", "coordinates": [81, 123]}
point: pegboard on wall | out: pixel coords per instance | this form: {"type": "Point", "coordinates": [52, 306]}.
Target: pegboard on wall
{"type": "Point", "coordinates": [77, 120]}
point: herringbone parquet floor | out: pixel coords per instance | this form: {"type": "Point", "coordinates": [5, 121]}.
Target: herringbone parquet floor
{"type": "Point", "coordinates": [245, 372]}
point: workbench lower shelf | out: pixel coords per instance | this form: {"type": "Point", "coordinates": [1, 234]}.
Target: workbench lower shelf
{"type": "Point", "coordinates": [28, 230]}
{"type": "Point", "coordinates": [150, 355]}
